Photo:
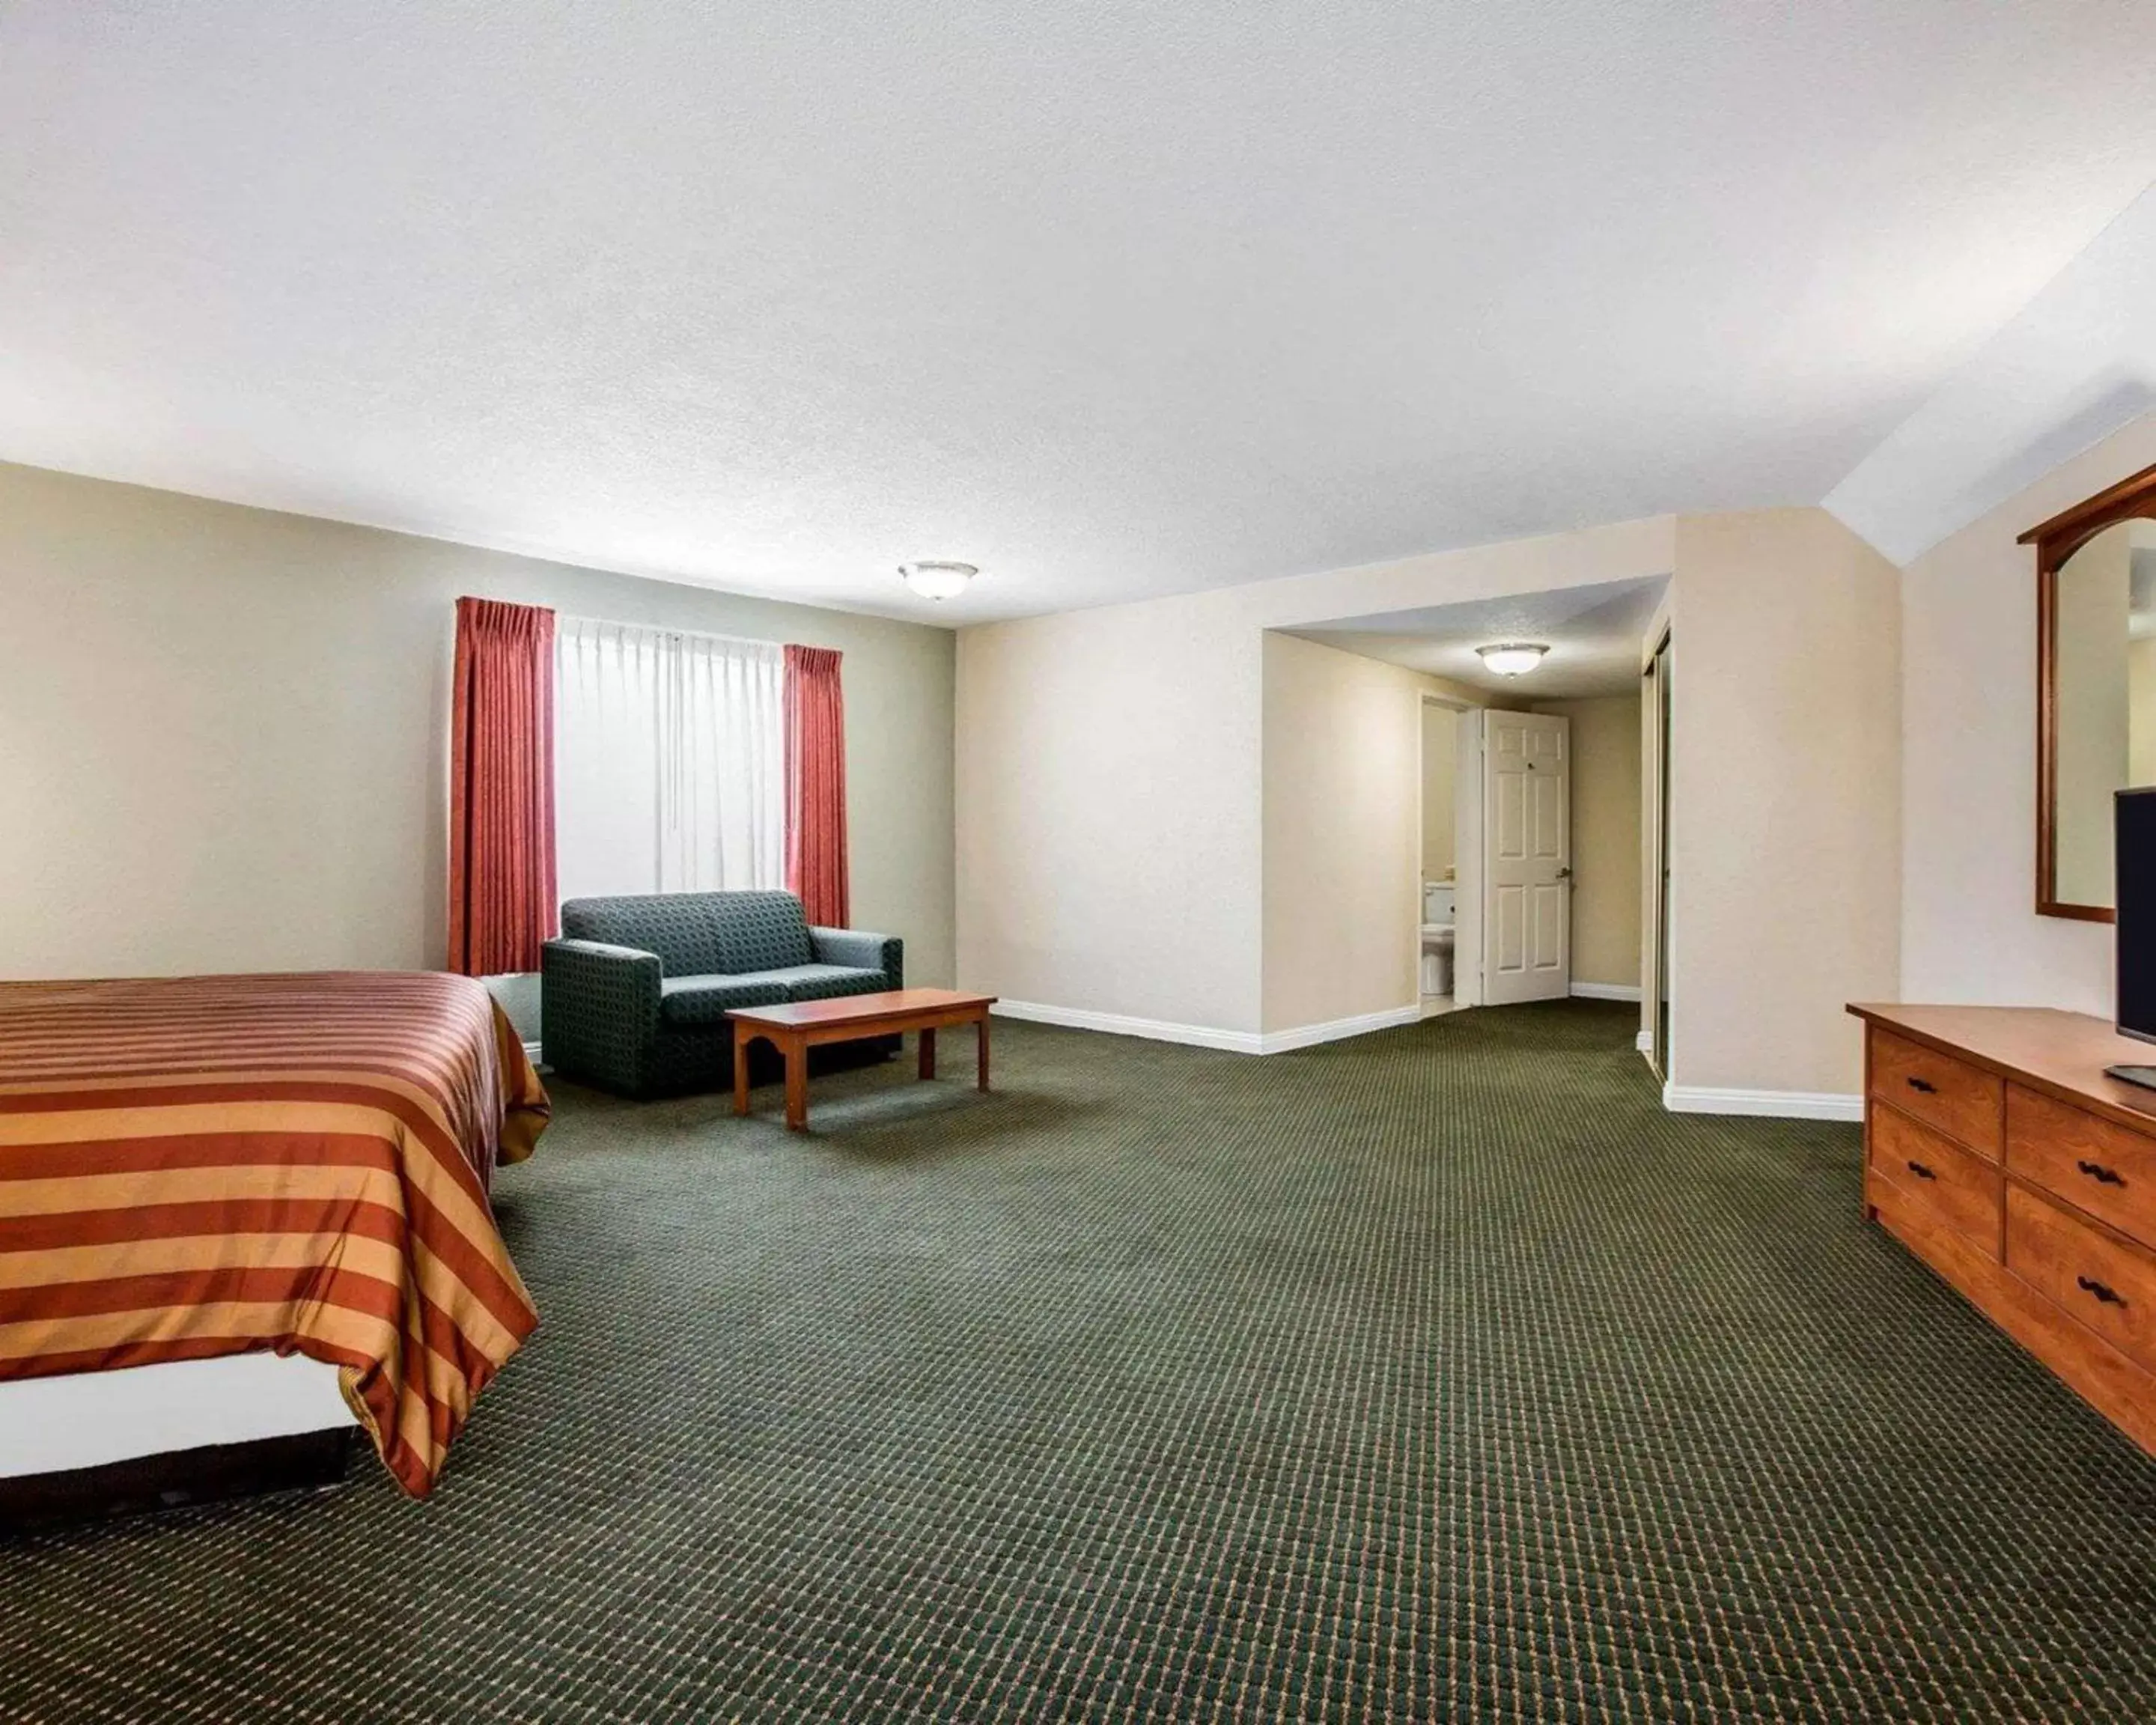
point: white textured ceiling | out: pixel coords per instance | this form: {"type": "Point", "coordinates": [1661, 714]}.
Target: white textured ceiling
{"type": "Point", "coordinates": [1594, 634]}
{"type": "Point", "coordinates": [1112, 298]}
{"type": "Point", "coordinates": [2071, 367]}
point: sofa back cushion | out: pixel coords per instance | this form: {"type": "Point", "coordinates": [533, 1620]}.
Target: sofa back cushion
{"type": "Point", "coordinates": [681, 927]}
{"type": "Point", "coordinates": [762, 931]}
{"type": "Point", "coordinates": [697, 933]}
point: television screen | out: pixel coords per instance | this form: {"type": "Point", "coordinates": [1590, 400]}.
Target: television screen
{"type": "Point", "coordinates": [2136, 841]}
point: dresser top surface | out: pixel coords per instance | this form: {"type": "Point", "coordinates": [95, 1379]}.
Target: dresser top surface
{"type": "Point", "coordinates": [2063, 1053]}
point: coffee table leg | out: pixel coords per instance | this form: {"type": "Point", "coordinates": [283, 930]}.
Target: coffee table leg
{"type": "Point", "coordinates": [741, 1069]}
{"type": "Point", "coordinates": [982, 1082]}
{"type": "Point", "coordinates": [797, 1083]}
{"type": "Point", "coordinates": [928, 1053]}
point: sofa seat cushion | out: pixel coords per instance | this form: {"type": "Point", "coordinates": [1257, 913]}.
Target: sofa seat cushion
{"type": "Point", "coordinates": [820, 981]}
{"type": "Point", "coordinates": [707, 999]}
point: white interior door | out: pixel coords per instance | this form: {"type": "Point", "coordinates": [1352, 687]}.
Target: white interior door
{"type": "Point", "coordinates": [1527, 857]}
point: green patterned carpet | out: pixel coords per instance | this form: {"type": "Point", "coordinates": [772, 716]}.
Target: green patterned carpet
{"type": "Point", "coordinates": [1435, 1375]}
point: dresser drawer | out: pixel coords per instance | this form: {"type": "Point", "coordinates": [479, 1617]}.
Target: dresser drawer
{"type": "Point", "coordinates": [1965, 1102]}
{"type": "Point", "coordinates": [2110, 1287]}
{"type": "Point", "coordinates": [2105, 1169]}
{"type": "Point", "coordinates": [1937, 1177]}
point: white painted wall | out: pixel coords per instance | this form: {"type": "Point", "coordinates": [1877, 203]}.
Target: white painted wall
{"type": "Point", "coordinates": [224, 734]}
{"type": "Point", "coordinates": [1970, 933]}
{"type": "Point", "coordinates": [1786, 770]}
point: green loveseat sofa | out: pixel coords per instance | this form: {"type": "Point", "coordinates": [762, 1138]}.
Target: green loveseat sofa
{"type": "Point", "coordinates": [634, 996]}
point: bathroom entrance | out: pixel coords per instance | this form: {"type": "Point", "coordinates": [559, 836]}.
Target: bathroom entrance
{"type": "Point", "coordinates": [1438, 953]}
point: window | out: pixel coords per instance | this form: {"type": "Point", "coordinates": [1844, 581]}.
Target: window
{"type": "Point", "coordinates": [669, 761]}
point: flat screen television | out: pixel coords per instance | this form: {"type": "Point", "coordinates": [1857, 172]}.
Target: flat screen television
{"type": "Point", "coordinates": [2134, 836]}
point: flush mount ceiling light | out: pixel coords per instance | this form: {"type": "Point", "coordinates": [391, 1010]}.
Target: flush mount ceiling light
{"type": "Point", "coordinates": [937, 580]}
{"type": "Point", "coordinates": [1513, 658]}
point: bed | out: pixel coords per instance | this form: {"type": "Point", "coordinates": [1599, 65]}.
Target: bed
{"type": "Point", "coordinates": [286, 1176]}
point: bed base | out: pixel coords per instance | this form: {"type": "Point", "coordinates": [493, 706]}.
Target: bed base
{"type": "Point", "coordinates": [302, 1461]}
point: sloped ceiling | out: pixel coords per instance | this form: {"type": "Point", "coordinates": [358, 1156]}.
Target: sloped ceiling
{"type": "Point", "coordinates": [1594, 634]}
{"type": "Point", "coordinates": [2073, 365]}
{"type": "Point", "coordinates": [1113, 300]}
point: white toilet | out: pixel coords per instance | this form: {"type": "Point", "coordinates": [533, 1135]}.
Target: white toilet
{"type": "Point", "coordinates": [1437, 926]}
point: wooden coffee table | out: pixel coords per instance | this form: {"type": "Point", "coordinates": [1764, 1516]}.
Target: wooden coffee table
{"type": "Point", "coordinates": [794, 1030]}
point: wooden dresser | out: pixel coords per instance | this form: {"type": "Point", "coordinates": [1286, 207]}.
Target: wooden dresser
{"type": "Point", "coordinates": [1998, 1151]}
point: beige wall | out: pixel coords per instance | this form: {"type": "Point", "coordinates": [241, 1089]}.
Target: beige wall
{"type": "Point", "coordinates": [223, 733]}
{"type": "Point", "coordinates": [1968, 645]}
{"type": "Point", "coordinates": [1343, 858]}
{"type": "Point", "coordinates": [1440, 772]}
{"type": "Point", "coordinates": [1654, 983]}
{"type": "Point", "coordinates": [1111, 782]}
{"type": "Point", "coordinates": [1343, 838]}
{"type": "Point", "coordinates": [1785, 811]}
{"type": "Point", "coordinates": [1141, 834]}
{"type": "Point", "coordinates": [1109, 807]}
{"type": "Point", "coordinates": [1605, 838]}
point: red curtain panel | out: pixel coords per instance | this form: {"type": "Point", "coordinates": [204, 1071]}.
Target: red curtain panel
{"type": "Point", "coordinates": [816, 785]}
{"type": "Point", "coordinates": [502, 903]}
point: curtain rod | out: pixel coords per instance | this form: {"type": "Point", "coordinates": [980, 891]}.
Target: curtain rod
{"type": "Point", "coordinates": [662, 628]}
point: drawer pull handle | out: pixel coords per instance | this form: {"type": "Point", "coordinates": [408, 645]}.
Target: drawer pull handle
{"type": "Point", "coordinates": [1924, 1085]}
{"type": "Point", "coordinates": [1920, 1172]}
{"type": "Point", "coordinates": [2101, 1175]}
{"type": "Point", "coordinates": [2104, 1295]}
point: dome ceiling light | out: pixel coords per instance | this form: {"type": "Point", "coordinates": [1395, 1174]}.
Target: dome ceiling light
{"type": "Point", "coordinates": [937, 580]}
{"type": "Point", "coordinates": [1512, 659]}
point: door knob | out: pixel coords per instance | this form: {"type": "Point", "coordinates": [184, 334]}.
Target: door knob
{"type": "Point", "coordinates": [1565, 873]}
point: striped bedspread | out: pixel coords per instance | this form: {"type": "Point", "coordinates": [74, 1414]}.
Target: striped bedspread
{"type": "Point", "coordinates": [213, 1165]}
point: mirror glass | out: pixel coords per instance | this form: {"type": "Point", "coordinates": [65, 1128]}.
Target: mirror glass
{"type": "Point", "coordinates": [2104, 685]}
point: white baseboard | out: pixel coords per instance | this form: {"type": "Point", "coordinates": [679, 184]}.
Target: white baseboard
{"type": "Point", "coordinates": [1605, 991]}
{"type": "Point", "coordinates": [1338, 1029]}
{"type": "Point", "coordinates": [1644, 1042]}
{"type": "Point", "coordinates": [1778, 1104]}
{"type": "Point", "coordinates": [1115, 1024]}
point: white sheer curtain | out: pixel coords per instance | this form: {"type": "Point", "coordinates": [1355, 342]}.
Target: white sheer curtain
{"type": "Point", "coordinates": [669, 761]}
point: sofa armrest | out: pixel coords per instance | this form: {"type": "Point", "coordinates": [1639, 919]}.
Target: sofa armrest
{"type": "Point", "coordinates": [598, 1011]}
{"type": "Point", "coordinates": [859, 950]}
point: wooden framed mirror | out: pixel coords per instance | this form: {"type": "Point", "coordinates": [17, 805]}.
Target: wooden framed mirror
{"type": "Point", "coordinates": [2096, 686]}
